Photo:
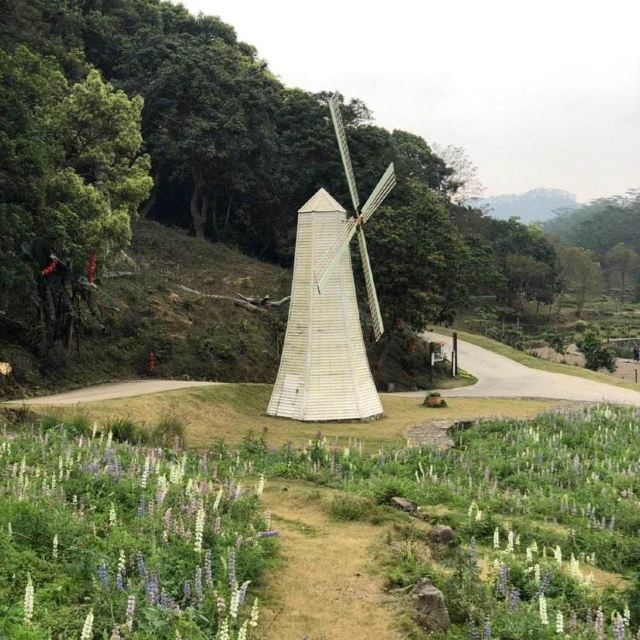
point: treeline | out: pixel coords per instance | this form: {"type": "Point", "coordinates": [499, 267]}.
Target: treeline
{"type": "Point", "coordinates": [116, 106]}
{"type": "Point", "coordinates": [598, 246]}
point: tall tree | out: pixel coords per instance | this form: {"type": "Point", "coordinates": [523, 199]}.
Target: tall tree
{"type": "Point", "coordinates": [622, 263]}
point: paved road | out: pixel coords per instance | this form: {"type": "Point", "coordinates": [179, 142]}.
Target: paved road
{"type": "Point", "coordinates": [113, 390]}
{"type": "Point", "coordinates": [500, 377]}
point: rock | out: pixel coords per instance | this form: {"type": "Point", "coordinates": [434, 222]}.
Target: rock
{"type": "Point", "coordinates": [431, 611]}
{"type": "Point", "coordinates": [403, 504]}
{"type": "Point", "coordinates": [441, 534]}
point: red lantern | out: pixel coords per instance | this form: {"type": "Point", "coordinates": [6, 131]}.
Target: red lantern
{"type": "Point", "coordinates": [51, 267]}
{"type": "Point", "coordinates": [151, 362]}
{"type": "Point", "coordinates": [91, 266]}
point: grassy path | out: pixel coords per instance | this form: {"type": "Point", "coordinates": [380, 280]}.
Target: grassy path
{"type": "Point", "coordinates": [326, 587]}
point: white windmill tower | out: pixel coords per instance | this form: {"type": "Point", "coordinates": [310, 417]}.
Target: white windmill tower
{"type": "Point", "coordinates": [324, 372]}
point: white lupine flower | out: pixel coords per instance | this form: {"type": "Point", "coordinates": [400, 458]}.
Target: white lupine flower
{"type": "Point", "coordinates": [145, 473]}
{"type": "Point", "coordinates": [559, 623]}
{"type": "Point", "coordinates": [112, 515]}
{"type": "Point", "coordinates": [122, 562]}
{"type": "Point", "coordinates": [216, 502]}
{"type": "Point", "coordinates": [109, 439]}
{"type": "Point", "coordinates": [255, 612]}
{"type": "Point", "coordinates": [536, 573]}
{"type": "Point", "coordinates": [557, 554]}
{"type": "Point", "coordinates": [496, 538]}
{"type": "Point", "coordinates": [197, 544]}
{"type": "Point", "coordinates": [87, 629]}
{"type": "Point", "coordinates": [94, 430]}
{"type": "Point", "coordinates": [510, 542]}
{"type": "Point", "coordinates": [242, 634]}
{"type": "Point", "coordinates": [260, 487]}
{"type": "Point", "coordinates": [626, 614]}
{"type": "Point", "coordinates": [223, 634]}
{"type": "Point", "coordinates": [529, 555]}
{"type": "Point", "coordinates": [542, 606]}
{"type": "Point", "coordinates": [28, 601]}
{"type": "Point", "coordinates": [55, 547]}
{"type": "Point", "coordinates": [234, 603]}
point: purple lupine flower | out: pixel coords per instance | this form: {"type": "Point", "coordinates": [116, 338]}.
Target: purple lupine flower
{"type": "Point", "coordinates": [618, 628]}
{"type": "Point", "coordinates": [546, 581]}
{"type": "Point", "coordinates": [486, 632]}
{"type": "Point", "coordinates": [187, 591]}
{"type": "Point", "coordinates": [142, 568]}
{"type": "Point", "coordinates": [232, 570]}
{"type": "Point", "coordinates": [599, 624]}
{"type": "Point", "coordinates": [104, 577]}
{"type": "Point", "coordinates": [119, 581]}
{"type": "Point", "coordinates": [115, 633]}
{"type": "Point", "coordinates": [153, 588]}
{"type": "Point", "coordinates": [208, 573]}
{"type": "Point", "coordinates": [197, 585]}
{"type": "Point", "coordinates": [474, 632]}
{"type": "Point", "coordinates": [573, 621]}
{"type": "Point", "coordinates": [141, 507]}
{"type": "Point", "coordinates": [589, 616]}
{"type": "Point", "coordinates": [164, 600]}
{"type": "Point", "coordinates": [514, 599]}
{"type": "Point", "coordinates": [502, 581]}
{"type": "Point", "coordinates": [268, 534]}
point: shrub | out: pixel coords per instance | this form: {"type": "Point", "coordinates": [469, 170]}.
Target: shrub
{"type": "Point", "coordinates": [126, 430]}
{"type": "Point", "coordinates": [169, 432]}
{"type": "Point", "coordinates": [598, 355]}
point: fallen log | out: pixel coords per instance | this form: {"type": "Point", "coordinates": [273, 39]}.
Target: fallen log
{"type": "Point", "coordinates": [255, 305]}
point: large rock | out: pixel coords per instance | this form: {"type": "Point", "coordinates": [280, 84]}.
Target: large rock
{"type": "Point", "coordinates": [441, 534]}
{"type": "Point", "coordinates": [431, 611]}
{"type": "Point", "coordinates": [403, 504]}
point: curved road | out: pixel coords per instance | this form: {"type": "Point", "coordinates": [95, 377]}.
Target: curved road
{"type": "Point", "coordinates": [500, 377]}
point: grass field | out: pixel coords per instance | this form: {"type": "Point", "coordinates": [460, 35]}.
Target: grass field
{"type": "Point", "coordinates": [228, 411]}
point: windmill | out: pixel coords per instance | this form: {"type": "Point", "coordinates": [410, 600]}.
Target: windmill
{"type": "Point", "coordinates": [324, 372]}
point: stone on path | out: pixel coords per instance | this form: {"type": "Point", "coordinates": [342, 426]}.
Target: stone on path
{"type": "Point", "coordinates": [431, 611]}
{"type": "Point", "coordinates": [403, 504]}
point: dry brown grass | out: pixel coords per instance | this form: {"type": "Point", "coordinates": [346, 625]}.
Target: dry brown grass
{"type": "Point", "coordinates": [230, 410]}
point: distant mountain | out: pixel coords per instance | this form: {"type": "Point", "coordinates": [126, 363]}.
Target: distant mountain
{"type": "Point", "coordinates": [536, 205]}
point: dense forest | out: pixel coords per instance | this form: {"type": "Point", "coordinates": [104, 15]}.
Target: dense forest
{"type": "Point", "coordinates": [117, 109]}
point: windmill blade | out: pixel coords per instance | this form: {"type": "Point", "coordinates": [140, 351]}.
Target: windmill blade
{"type": "Point", "coordinates": [374, 307]}
{"type": "Point", "coordinates": [330, 258]}
{"type": "Point", "coordinates": [336, 116]}
{"type": "Point", "coordinates": [381, 191]}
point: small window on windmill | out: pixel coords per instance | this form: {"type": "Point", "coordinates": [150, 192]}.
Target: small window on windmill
{"type": "Point", "coordinates": [437, 351]}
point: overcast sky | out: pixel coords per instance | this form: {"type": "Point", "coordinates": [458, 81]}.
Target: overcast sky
{"type": "Point", "coordinates": [540, 93]}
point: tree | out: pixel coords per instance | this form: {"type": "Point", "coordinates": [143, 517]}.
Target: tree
{"type": "Point", "coordinates": [597, 354]}
{"type": "Point", "coordinates": [463, 181]}
{"type": "Point", "coordinates": [622, 261]}
{"type": "Point", "coordinates": [70, 179]}
{"type": "Point", "coordinates": [582, 274]}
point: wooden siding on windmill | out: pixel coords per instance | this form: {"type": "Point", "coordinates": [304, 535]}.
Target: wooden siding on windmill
{"type": "Point", "coordinates": [324, 373]}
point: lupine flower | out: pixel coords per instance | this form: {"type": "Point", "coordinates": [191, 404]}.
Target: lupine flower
{"type": "Point", "coordinates": [112, 515]}
{"type": "Point", "coordinates": [486, 631]}
{"type": "Point", "coordinates": [242, 634]}
{"type": "Point", "coordinates": [260, 487]}
{"type": "Point", "coordinates": [104, 577]}
{"type": "Point", "coordinates": [208, 574]}
{"type": "Point", "coordinates": [231, 568]}
{"type": "Point", "coordinates": [197, 585]}
{"type": "Point", "coordinates": [141, 506]}
{"type": "Point", "coordinates": [119, 581]}
{"type": "Point", "coordinates": [186, 590]}
{"type": "Point", "coordinates": [142, 569]}
{"type": "Point", "coordinates": [474, 632]}
{"type": "Point", "coordinates": [243, 591]}
{"type": "Point", "coordinates": [115, 633]}
{"type": "Point", "coordinates": [28, 601]}
{"type": "Point", "coordinates": [223, 634]}
{"type": "Point", "coordinates": [255, 612]}
{"type": "Point", "coordinates": [514, 599]}
{"type": "Point", "coordinates": [131, 610]}
{"type": "Point", "coordinates": [55, 547]}
{"type": "Point", "coordinates": [87, 628]}
{"type": "Point", "coordinates": [502, 581]}
{"type": "Point", "coordinates": [234, 603]}
{"type": "Point", "coordinates": [542, 607]}
{"type": "Point", "coordinates": [496, 538]}
{"type": "Point", "coordinates": [559, 623]}
{"type": "Point", "coordinates": [197, 545]}
{"type": "Point", "coordinates": [618, 627]}
{"type": "Point", "coordinates": [599, 624]}
{"type": "Point", "coordinates": [153, 588]}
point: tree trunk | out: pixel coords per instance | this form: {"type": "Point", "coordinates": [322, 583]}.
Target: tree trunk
{"type": "Point", "coordinates": [153, 196]}
{"type": "Point", "coordinates": [198, 204]}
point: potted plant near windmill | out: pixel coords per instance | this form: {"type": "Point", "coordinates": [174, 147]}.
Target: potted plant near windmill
{"type": "Point", "coordinates": [434, 399]}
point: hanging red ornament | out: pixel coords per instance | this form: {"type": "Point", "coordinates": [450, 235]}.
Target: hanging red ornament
{"type": "Point", "coordinates": [91, 266]}
{"type": "Point", "coordinates": [51, 267]}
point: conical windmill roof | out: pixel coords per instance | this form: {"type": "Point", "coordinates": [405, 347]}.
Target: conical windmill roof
{"type": "Point", "coordinates": [321, 201]}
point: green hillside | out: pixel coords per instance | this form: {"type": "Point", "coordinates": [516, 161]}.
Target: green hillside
{"type": "Point", "coordinates": [192, 336]}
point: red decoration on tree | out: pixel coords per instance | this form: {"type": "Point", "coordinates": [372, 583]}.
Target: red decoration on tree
{"type": "Point", "coordinates": [91, 266]}
{"type": "Point", "coordinates": [51, 267]}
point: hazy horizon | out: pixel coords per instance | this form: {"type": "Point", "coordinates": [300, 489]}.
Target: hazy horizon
{"type": "Point", "coordinates": [539, 94]}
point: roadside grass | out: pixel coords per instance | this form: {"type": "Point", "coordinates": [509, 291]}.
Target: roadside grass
{"type": "Point", "coordinates": [229, 411]}
{"type": "Point", "coordinates": [463, 379]}
{"type": "Point", "coordinates": [537, 363]}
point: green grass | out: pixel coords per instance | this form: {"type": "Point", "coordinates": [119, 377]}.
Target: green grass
{"type": "Point", "coordinates": [536, 363]}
